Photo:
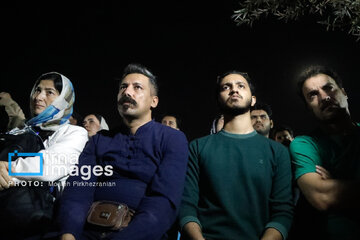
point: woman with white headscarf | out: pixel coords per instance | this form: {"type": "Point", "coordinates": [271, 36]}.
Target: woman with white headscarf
{"type": "Point", "coordinates": [51, 105]}
{"type": "Point", "coordinates": [94, 123]}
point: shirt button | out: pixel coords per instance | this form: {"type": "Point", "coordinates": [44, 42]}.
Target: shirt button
{"type": "Point", "coordinates": [129, 156]}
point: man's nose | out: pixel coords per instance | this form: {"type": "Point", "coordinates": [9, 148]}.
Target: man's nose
{"type": "Point", "coordinates": [324, 96]}
{"type": "Point", "coordinates": [129, 90]}
{"type": "Point", "coordinates": [234, 90]}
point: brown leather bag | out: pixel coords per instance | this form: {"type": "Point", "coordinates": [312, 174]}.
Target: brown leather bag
{"type": "Point", "coordinates": [111, 215]}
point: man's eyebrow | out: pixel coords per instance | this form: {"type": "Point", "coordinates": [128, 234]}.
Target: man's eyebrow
{"type": "Point", "coordinates": [227, 83]}
{"type": "Point", "coordinates": [243, 82]}
{"type": "Point", "coordinates": [237, 82]}
{"type": "Point", "coordinates": [312, 91]}
{"type": "Point", "coordinates": [328, 84]}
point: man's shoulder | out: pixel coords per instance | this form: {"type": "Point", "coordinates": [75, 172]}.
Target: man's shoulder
{"type": "Point", "coordinates": [272, 143]}
{"type": "Point", "coordinates": [307, 145]}
{"type": "Point", "coordinates": [268, 145]}
{"type": "Point", "coordinates": [303, 138]}
{"type": "Point", "coordinates": [150, 130]}
{"type": "Point", "coordinates": [166, 131]}
{"type": "Point", "coordinates": [314, 138]}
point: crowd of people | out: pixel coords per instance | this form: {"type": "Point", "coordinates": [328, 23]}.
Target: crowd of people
{"type": "Point", "coordinates": [250, 178]}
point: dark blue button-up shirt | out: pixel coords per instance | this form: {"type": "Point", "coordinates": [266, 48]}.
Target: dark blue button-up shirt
{"type": "Point", "coordinates": [148, 175]}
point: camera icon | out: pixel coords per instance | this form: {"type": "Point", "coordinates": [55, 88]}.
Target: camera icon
{"type": "Point", "coordinates": [17, 154]}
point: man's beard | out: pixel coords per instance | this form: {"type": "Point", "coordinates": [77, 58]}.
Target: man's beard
{"type": "Point", "coordinates": [235, 110]}
{"type": "Point", "coordinates": [264, 131]}
{"type": "Point", "coordinates": [336, 116]}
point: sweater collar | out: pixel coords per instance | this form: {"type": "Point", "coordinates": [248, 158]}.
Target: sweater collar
{"type": "Point", "coordinates": [238, 136]}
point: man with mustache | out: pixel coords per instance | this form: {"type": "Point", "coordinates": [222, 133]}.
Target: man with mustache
{"type": "Point", "coordinates": [238, 183]}
{"type": "Point", "coordinates": [148, 161]}
{"type": "Point", "coordinates": [261, 118]}
{"type": "Point", "coordinates": [327, 164]}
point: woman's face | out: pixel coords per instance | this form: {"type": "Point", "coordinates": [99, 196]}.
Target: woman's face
{"type": "Point", "coordinates": [91, 124]}
{"type": "Point", "coordinates": [45, 93]}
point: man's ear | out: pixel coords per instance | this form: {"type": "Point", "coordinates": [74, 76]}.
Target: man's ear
{"type": "Point", "coordinates": [154, 101]}
{"type": "Point", "coordinates": [271, 123]}
{"type": "Point", "coordinates": [344, 92]}
{"type": "Point", "coordinates": [253, 100]}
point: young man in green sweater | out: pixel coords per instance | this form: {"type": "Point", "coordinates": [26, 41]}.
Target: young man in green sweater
{"type": "Point", "coordinates": [238, 183]}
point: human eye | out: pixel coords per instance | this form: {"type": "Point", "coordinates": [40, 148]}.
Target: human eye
{"type": "Point", "coordinates": [263, 117]}
{"type": "Point", "coordinates": [312, 94]}
{"type": "Point", "coordinates": [225, 87]}
{"type": "Point", "coordinates": [241, 85]}
{"type": "Point", "coordinates": [328, 87]}
{"type": "Point", "coordinates": [123, 86]}
{"type": "Point", "coordinates": [138, 87]}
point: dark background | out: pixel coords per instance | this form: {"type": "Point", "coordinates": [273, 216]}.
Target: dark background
{"type": "Point", "coordinates": [185, 44]}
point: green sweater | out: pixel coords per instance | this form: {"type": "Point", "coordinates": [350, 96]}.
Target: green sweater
{"type": "Point", "coordinates": [237, 186]}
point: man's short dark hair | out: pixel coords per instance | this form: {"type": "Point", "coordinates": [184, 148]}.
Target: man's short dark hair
{"type": "Point", "coordinates": [243, 74]}
{"type": "Point", "coordinates": [312, 71]}
{"type": "Point", "coordinates": [138, 68]}
{"type": "Point", "coordinates": [262, 106]}
{"type": "Point", "coordinates": [280, 128]}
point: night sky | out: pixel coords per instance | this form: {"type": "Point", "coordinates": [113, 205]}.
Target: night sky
{"type": "Point", "coordinates": [184, 44]}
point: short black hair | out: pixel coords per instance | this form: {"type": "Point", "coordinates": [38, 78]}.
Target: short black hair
{"type": "Point", "coordinates": [243, 74]}
{"type": "Point", "coordinates": [139, 68]}
{"type": "Point", "coordinates": [78, 117]}
{"type": "Point", "coordinates": [262, 106]}
{"type": "Point", "coordinates": [280, 128]}
{"type": "Point", "coordinates": [55, 77]}
{"type": "Point", "coordinates": [312, 71]}
{"type": "Point", "coordinates": [98, 116]}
